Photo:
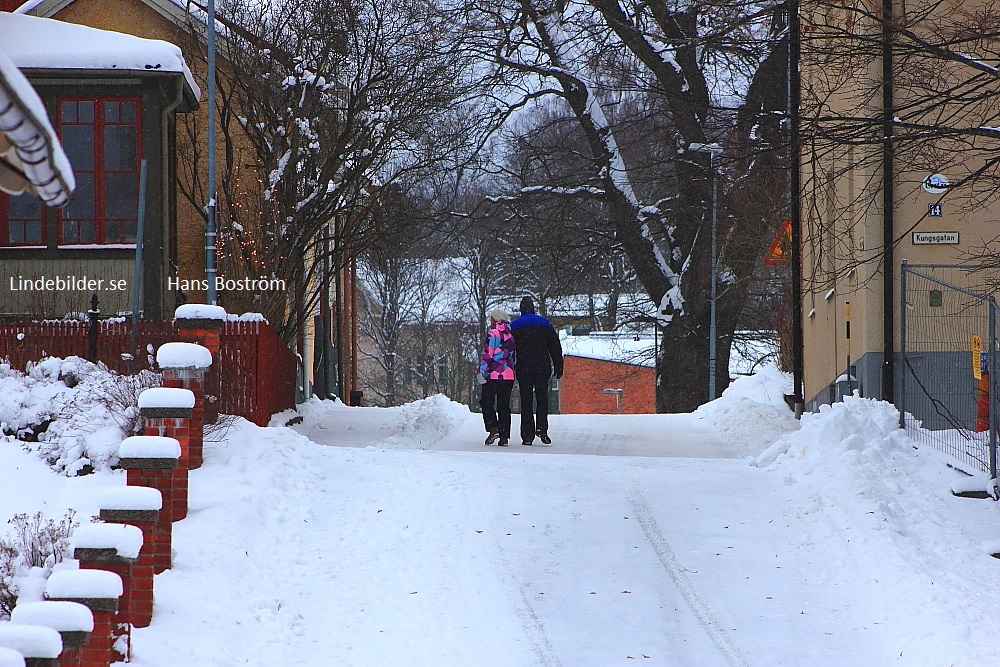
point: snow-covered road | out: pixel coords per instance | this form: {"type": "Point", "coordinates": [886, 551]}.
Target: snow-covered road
{"type": "Point", "coordinates": [396, 538]}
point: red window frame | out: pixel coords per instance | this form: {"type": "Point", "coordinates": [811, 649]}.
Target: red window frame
{"type": "Point", "coordinates": [101, 224]}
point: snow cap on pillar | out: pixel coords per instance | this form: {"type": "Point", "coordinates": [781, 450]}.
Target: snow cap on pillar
{"type": "Point", "coordinates": [149, 447]}
{"type": "Point", "coordinates": [135, 498]}
{"type": "Point", "coordinates": [60, 615]}
{"type": "Point", "coordinates": [183, 355]}
{"type": "Point", "coordinates": [31, 641]}
{"type": "Point", "coordinates": [10, 658]}
{"type": "Point", "coordinates": [126, 540]}
{"type": "Point", "coordinates": [84, 584]}
{"type": "Point", "coordinates": [166, 397]}
{"type": "Point", "coordinates": [199, 311]}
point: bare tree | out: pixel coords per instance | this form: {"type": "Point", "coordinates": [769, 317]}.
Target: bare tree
{"type": "Point", "coordinates": [717, 69]}
{"type": "Point", "coordinates": [321, 105]}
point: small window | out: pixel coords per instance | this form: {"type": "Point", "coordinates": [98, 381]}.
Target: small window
{"type": "Point", "coordinates": [21, 221]}
{"type": "Point", "coordinates": [936, 298]}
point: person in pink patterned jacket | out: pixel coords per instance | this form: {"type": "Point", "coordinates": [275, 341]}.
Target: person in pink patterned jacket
{"type": "Point", "coordinates": [496, 373]}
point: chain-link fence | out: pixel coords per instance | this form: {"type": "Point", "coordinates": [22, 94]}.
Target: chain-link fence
{"type": "Point", "coordinates": [949, 353]}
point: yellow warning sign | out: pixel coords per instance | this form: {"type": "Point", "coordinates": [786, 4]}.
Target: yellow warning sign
{"type": "Point", "coordinates": [781, 247]}
{"type": "Point", "coordinates": [977, 348]}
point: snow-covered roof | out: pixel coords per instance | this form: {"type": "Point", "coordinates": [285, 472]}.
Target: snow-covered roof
{"type": "Point", "coordinates": [639, 349]}
{"type": "Point", "coordinates": [626, 348]}
{"type": "Point", "coordinates": [32, 42]}
{"type": "Point", "coordinates": [31, 157]}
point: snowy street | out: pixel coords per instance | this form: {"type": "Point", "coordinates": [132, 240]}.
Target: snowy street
{"type": "Point", "coordinates": [392, 537]}
{"type": "Point", "coordinates": [395, 537]}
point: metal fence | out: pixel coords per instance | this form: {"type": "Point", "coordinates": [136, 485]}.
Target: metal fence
{"type": "Point", "coordinates": [949, 353]}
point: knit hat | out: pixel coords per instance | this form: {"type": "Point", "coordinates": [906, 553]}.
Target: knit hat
{"type": "Point", "coordinates": [499, 315]}
{"type": "Point", "coordinates": [527, 305]}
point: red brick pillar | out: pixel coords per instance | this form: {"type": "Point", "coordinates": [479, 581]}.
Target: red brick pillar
{"type": "Point", "coordinates": [198, 323]}
{"type": "Point", "coordinates": [39, 645]}
{"type": "Point", "coordinates": [72, 620]}
{"type": "Point", "coordinates": [99, 590]}
{"type": "Point", "coordinates": [140, 507]}
{"type": "Point", "coordinates": [151, 461]}
{"type": "Point", "coordinates": [113, 547]}
{"type": "Point", "coordinates": [167, 411]}
{"type": "Point", "coordinates": [184, 366]}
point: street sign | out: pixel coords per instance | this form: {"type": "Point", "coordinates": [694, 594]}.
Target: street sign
{"type": "Point", "coordinates": [935, 238]}
{"type": "Point", "coordinates": [781, 246]}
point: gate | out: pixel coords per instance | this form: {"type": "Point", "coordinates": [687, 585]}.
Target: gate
{"type": "Point", "coordinates": [949, 354]}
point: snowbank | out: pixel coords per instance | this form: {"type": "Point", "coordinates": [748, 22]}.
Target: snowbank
{"type": "Point", "coordinates": [72, 412]}
{"type": "Point", "coordinates": [752, 414]}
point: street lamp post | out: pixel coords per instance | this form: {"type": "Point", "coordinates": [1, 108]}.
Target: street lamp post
{"type": "Point", "coordinates": [712, 149]}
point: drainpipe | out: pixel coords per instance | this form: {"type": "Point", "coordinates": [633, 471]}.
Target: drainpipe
{"type": "Point", "coordinates": [888, 233]}
{"type": "Point", "coordinates": [165, 177]}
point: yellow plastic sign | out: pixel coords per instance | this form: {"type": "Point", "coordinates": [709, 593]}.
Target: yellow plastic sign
{"type": "Point", "coordinates": [977, 348]}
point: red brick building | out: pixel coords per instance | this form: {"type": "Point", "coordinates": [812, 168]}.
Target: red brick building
{"type": "Point", "coordinates": [590, 386]}
{"type": "Point", "coordinates": [608, 373]}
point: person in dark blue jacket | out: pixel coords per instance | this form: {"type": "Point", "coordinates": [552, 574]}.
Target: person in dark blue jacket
{"type": "Point", "coordinates": [539, 354]}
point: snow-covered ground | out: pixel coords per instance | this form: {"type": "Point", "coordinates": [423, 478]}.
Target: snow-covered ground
{"type": "Point", "coordinates": [731, 536]}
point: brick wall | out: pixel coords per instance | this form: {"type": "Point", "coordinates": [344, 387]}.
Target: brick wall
{"type": "Point", "coordinates": [581, 387]}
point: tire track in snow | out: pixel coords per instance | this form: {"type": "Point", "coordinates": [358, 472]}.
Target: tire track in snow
{"type": "Point", "coordinates": [701, 611]}
{"type": "Point", "coordinates": [534, 629]}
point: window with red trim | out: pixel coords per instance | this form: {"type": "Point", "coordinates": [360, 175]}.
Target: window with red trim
{"type": "Point", "coordinates": [101, 137]}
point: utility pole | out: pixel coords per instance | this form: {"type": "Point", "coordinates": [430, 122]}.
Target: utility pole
{"type": "Point", "coordinates": [712, 150]}
{"type": "Point", "coordinates": [211, 234]}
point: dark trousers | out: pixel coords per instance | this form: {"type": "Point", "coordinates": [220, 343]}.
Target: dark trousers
{"type": "Point", "coordinates": [534, 392]}
{"type": "Point", "coordinates": [495, 403]}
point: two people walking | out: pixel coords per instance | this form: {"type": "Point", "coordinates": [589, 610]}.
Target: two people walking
{"type": "Point", "coordinates": [529, 351]}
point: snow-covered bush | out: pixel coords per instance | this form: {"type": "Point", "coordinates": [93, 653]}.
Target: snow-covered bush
{"type": "Point", "coordinates": [71, 411]}
{"type": "Point", "coordinates": [32, 547]}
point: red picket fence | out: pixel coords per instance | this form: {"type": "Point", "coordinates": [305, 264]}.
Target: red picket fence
{"type": "Point", "coordinates": [258, 370]}
{"type": "Point", "coordinates": [254, 358]}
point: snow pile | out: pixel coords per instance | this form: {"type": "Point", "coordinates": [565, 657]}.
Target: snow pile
{"type": "Point", "coordinates": [423, 423]}
{"type": "Point", "coordinates": [71, 411]}
{"type": "Point", "coordinates": [752, 412]}
{"type": "Point", "coordinates": [842, 435]}
{"type": "Point", "coordinates": [859, 479]}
